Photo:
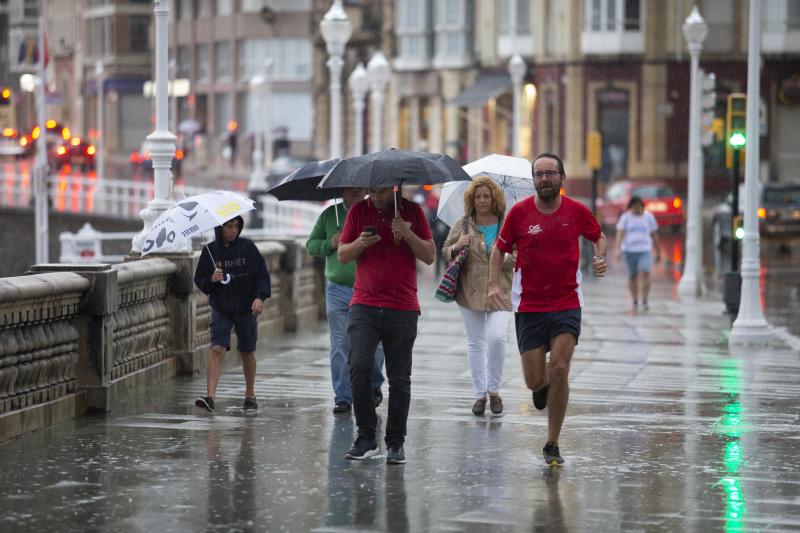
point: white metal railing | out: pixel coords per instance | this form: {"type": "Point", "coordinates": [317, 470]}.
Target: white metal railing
{"type": "Point", "coordinates": [82, 194]}
{"type": "Point", "coordinates": [287, 218]}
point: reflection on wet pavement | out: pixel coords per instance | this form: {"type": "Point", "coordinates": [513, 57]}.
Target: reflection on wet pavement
{"type": "Point", "coordinates": [666, 431]}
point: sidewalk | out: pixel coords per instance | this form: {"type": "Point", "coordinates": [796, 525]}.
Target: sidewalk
{"type": "Point", "coordinates": [666, 430]}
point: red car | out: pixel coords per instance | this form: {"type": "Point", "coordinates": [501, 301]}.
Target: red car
{"type": "Point", "coordinates": [76, 152]}
{"type": "Point", "coordinates": [658, 198]}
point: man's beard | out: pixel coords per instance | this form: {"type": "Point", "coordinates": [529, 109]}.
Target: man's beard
{"type": "Point", "coordinates": [547, 193]}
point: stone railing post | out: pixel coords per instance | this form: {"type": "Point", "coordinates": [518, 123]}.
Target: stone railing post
{"type": "Point", "coordinates": [182, 307]}
{"type": "Point", "coordinates": [95, 325]}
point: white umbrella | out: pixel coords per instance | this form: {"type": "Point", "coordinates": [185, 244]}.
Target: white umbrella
{"type": "Point", "coordinates": [512, 174]}
{"type": "Point", "coordinates": [193, 215]}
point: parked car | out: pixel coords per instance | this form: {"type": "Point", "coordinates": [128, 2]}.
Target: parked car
{"type": "Point", "coordinates": [778, 212]}
{"type": "Point", "coordinates": [76, 152]}
{"type": "Point", "coordinates": [9, 143]}
{"type": "Point", "coordinates": [56, 133]}
{"type": "Point", "coordinates": [658, 198]}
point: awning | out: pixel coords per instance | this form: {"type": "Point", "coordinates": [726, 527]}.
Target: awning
{"type": "Point", "coordinates": [486, 86]}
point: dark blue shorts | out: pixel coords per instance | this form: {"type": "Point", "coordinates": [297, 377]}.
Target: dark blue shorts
{"type": "Point", "coordinates": [535, 330]}
{"type": "Point", "coordinates": [246, 330]}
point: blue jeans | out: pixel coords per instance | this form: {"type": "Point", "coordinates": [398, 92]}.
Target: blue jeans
{"type": "Point", "coordinates": [337, 307]}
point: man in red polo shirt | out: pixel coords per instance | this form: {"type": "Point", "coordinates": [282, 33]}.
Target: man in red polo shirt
{"type": "Point", "coordinates": [384, 309]}
{"type": "Point", "coordinates": [546, 291]}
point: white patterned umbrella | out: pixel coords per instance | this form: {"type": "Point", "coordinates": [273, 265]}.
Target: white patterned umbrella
{"type": "Point", "coordinates": [193, 215]}
{"type": "Point", "coordinates": [512, 174]}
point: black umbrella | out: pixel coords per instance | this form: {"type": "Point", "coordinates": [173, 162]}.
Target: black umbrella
{"type": "Point", "coordinates": [302, 184]}
{"type": "Point", "coordinates": [394, 168]}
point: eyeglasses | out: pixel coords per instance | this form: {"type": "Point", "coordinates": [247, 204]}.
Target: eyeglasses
{"type": "Point", "coordinates": [546, 173]}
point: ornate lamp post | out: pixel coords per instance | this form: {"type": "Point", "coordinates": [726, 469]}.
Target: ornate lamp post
{"type": "Point", "coordinates": [516, 68]}
{"type": "Point", "coordinates": [691, 283]}
{"type": "Point", "coordinates": [378, 71]}
{"type": "Point", "coordinates": [336, 30]}
{"type": "Point", "coordinates": [162, 141]}
{"type": "Point", "coordinates": [100, 142]}
{"type": "Point", "coordinates": [358, 91]}
{"type": "Point", "coordinates": [750, 327]}
{"type": "Point", "coordinates": [257, 181]}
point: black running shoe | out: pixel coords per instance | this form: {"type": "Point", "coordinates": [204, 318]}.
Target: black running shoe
{"type": "Point", "coordinates": [250, 404]}
{"type": "Point", "coordinates": [362, 449]}
{"type": "Point", "coordinates": [396, 456]}
{"type": "Point", "coordinates": [342, 407]}
{"type": "Point", "coordinates": [205, 402]}
{"type": "Point", "coordinates": [552, 456]}
{"type": "Point", "coordinates": [540, 397]}
{"type": "Point", "coordinates": [378, 397]}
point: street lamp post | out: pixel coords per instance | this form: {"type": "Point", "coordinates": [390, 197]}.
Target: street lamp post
{"type": "Point", "coordinates": [691, 283]}
{"type": "Point", "coordinates": [41, 169]}
{"type": "Point", "coordinates": [336, 30]}
{"type": "Point", "coordinates": [257, 179]}
{"type": "Point", "coordinates": [161, 142]}
{"type": "Point", "coordinates": [750, 327]}
{"type": "Point", "coordinates": [100, 140]}
{"type": "Point", "coordinates": [378, 71]}
{"type": "Point", "coordinates": [516, 68]}
{"type": "Point", "coordinates": [358, 91]}
{"type": "Point", "coordinates": [262, 144]}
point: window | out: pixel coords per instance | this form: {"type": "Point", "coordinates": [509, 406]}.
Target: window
{"type": "Point", "coordinates": [222, 61]}
{"type": "Point", "coordinates": [452, 31]}
{"type": "Point", "coordinates": [291, 58]}
{"type": "Point", "coordinates": [612, 15]}
{"type": "Point", "coordinates": [793, 21]}
{"type": "Point", "coordinates": [203, 70]}
{"type": "Point", "coordinates": [632, 16]}
{"type": "Point", "coordinates": [293, 111]}
{"type": "Point", "coordinates": [413, 31]}
{"type": "Point", "coordinates": [99, 32]}
{"type": "Point", "coordinates": [249, 6]}
{"type": "Point", "coordinates": [224, 7]}
{"type": "Point", "coordinates": [203, 9]}
{"type": "Point", "coordinates": [523, 17]}
{"type": "Point", "coordinates": [139, 32]}
{"type": "Point", "coordinates": [718, 15]}
{"type": "Point", "coordinates": [184, 9]}
{"type": "Point", "coordinates": [222, 111]}
{"type": "Point", "coordinates": [183, 62]}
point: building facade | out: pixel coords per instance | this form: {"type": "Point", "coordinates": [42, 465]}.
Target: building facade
{"type": "Point", "coordinates": [218, 47]}
{"type": "Point", "coordinates": [613, 66]}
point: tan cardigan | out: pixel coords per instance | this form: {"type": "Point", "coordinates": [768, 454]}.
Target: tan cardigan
{"type": "Point", "coordinates": [473, 278]}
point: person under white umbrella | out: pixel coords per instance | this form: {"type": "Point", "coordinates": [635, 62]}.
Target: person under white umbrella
{"type": "Point", "coordinates": [512, 174]}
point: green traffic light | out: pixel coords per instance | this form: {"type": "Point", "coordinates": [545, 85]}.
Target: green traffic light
{"type": "Point", "coordinates": [737, 139]}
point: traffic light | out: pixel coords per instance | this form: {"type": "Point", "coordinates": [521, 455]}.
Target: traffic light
{"type": "Point", "coordinates": [5, 96]}
{"type": "Point", "coordinates": [735, 126]}
{"type": "Point", "coordinates": [737, 227]}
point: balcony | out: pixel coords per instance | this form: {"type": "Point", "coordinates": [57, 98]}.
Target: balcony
{"type": "Point", "coordinates": [600, 43]}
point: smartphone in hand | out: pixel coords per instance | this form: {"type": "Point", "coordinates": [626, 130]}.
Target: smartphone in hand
{"type": "Point", "coordinates": [372, 230]}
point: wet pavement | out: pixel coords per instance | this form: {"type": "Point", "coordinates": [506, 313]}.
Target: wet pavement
{"type": "Point", "coordinates": [666, 430]}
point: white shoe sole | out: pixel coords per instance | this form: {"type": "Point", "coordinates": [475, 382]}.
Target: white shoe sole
{"type": "Point", "coordinates": [367, 455]}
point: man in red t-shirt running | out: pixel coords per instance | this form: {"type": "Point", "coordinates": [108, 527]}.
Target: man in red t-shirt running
{"type": "Point", "coordinates": [546, 291]}
{"type": "Point", "coordinates": [384, 308]}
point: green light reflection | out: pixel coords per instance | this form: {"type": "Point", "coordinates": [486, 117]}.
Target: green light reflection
{"type": "Point", "coordinates": [730, 424]}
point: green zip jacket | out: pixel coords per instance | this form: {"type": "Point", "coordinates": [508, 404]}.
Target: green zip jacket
{"type": "Point", "coordinates": [319, 244]}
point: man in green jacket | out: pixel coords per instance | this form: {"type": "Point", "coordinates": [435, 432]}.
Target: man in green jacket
{"type": "Point", "coordinates": [323, 242]}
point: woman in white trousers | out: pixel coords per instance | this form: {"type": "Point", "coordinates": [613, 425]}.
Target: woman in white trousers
{"type": "Point", "coordinates": [487, 331]}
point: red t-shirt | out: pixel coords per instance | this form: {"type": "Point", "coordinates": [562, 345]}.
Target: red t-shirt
{"type": "Point", "coordinates": [386, 273]}
{"type": "Point", "coordinates": [547, 277]}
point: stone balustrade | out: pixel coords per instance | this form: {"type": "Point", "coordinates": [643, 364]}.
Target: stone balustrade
{"type": "Point", "coordinates": [75, 338]}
